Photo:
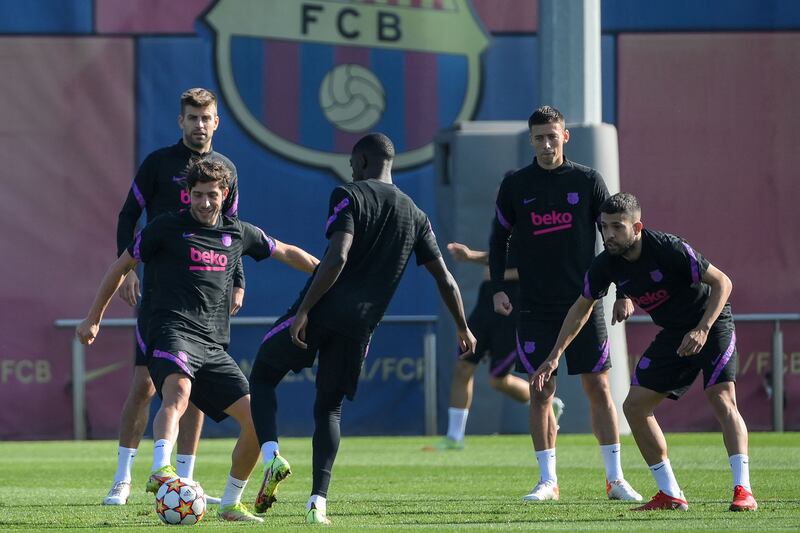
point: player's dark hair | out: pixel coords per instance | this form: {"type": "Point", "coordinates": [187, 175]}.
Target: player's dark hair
{"type": "Point", "coordinates": [545, 115]}
{"type": "Point", "coordinates": [205, 170]}
{"type": "Point", "coordinates": [622, 202]}
{"type": "Point", "coordinates": [197, 97]}
{"type": "Point", "coordinates": [375, 145]}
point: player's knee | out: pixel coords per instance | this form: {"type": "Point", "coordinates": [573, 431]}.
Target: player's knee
{"type": "Point", "coordinates": [498, 384]}
{"type": "Point", "coordinates": [463, 370]}
{"type": "Point", "coordinates": [142, 388]}
{"type": "Point", "coordinates": [328, 404]}
{"type": "Point", "coordinates": [632, 408]}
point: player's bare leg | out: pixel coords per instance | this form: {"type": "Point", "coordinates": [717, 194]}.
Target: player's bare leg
{"type": "Point", "coordinates": [722, 398]}
{"type": "Point", "coordinates": [544, 428]}
{"type": "Point", "coordinates": [175, 393]}
{"type": "Point", "coordinates": [512, 386]}
{"type": "Point", "coordinates": [243, 461]}
{"type": "Point", "coordinates": [603, 413]}
{"type": "Point", "coordinates": [132, 425]}
{"type": "Point", "coordinates": [191, 426]}
{"type": "Point", "coordinates": [638, 408]}
{"type": "Point", "coordinates": [461, 384]}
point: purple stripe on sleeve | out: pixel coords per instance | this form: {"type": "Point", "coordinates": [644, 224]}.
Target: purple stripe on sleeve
{"type": "Point", "coordinates": [505, 363]}
{"type": "Point", "coordinates": [634, 378]}
{"type": "Point", "coordinates": [231, 212]}
{"type": "Point", "coordinates": [180, 361]}
{"type": "Point", "coordinates": [138, 194]}
{"type": "Point", "coordinates": [277, 329]}
{"type": "Point", "coordinates": [137, 252]}
{"type": "Point", "coordinates": [587, 293]}
{"type": "Point", "coordinates": [527, 364]}
{"type": "Point", "coordinates": [722, 361]}
{"type": "Point", "coordinates": [140, 342]}
{"type": "Point", "coordinates": [603, 357]}
{"type": "Point", "coordinates": [502, 220]}
{"type": "Point", "coordinates": [695, 266]}
{"type": "Point", "coordinates": [344, 203]}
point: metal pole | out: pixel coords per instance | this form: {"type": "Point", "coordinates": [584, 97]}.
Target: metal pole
{"type": "Point", "coordinates": [429, 351]}
{"type": "Point", "coordinates": [777, 378]}
{"type": "Point", "coordinates": [78, 390]}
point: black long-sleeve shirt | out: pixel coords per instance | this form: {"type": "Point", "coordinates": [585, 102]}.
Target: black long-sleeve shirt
{"type": "Point", "coordinates": [552, 215]}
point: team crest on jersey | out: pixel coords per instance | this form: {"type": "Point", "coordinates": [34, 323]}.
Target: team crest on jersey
{"type": "Point", "coordinates": [573, 198]}
{"type": "Point", "coordinates": [656, 275]}
{"type": "Point", "coordinates": [529, 347]}
{"type": "Point", "coordinates": [226, 239]}
{"type": "Point", "coordinates": [308, 79]}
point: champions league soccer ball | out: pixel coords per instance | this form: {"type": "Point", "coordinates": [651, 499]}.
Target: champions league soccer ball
{"type": "Point", "coordinates": [180, 501]}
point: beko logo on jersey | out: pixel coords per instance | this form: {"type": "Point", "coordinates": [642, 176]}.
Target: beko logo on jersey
{"type": "Point", "coordinates": [651, 300]}
{"type": "Point", "coordinates": [554, 221]}
{"type": "Point", "coordinates": [210, 260]}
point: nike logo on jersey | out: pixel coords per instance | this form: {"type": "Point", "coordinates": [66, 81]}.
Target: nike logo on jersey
{"type": "Point", "coordinates": [178, 179]}
{"type": "Point", "coordinates": [526, 201]}
{"type": "Point", "coordinates": [186, 235]}
{"type": "Point", "coordinates": [623, 282]}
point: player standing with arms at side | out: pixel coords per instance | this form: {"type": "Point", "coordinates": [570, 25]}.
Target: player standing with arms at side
{"type": "Point", "coordinates": [550, 209]}
{"type": "Point", "coordinates": [159, 187]}
{"type": "Point", "coordinates": [688, 298]}
{"type": "Point", "coordinates": [193, 254]}
{"type": "Point", "coordinates": [372, 229]}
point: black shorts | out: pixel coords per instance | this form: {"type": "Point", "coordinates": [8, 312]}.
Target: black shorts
{"type": "Point", "coordinates": [340, 357]}
{"type": "Point", "coordinates": [141, 334]}
{"type": "Point", "coordinates": [588, 353]}
{"type": "Point", "coordinates": [494, 332]}
{"type": "Point", "coordinates": [217, 381]}
{"type": "Point", "coordinates": [661, 369]}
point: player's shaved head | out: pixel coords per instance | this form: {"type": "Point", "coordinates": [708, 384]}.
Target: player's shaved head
{"type": "Point", "coordinates": [622, 203]}
{"type": "Point", "coordinates": [375, 146]}
{"type": "Point", "coordinates": [205, 170]}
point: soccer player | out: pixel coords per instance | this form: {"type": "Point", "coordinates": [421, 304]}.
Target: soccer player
{"type": "Point", "coordinates": [551, 208]}
{"type": "Point", "coordinates": [372, 230]}
{"type": "Point", "coordinates": [688, 298]}
{"type": "Point", "coordinates": [193, 254]}
{"type": "Point", "coordinates": [159, 187]}
{"type": "Point", "coordinates": [495, 334]}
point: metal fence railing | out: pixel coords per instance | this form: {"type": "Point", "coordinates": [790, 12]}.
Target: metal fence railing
{"type": "Point", "coordinates": [79, 362]}
{"type": "Point", "coordinates": [777, 354]}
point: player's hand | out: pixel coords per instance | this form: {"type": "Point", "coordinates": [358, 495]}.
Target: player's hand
{"type": "Point", "coordinates": [129, 290]}
{"type": "Point", "coordinates": [460, 252]}
{"type": "Point", "coordinates": [467, 343]}
{"type": "Point", "coordinates": [237, 300]}
{"type": "Point", "coordinates": [87, 331]}
{"type": "Point", "coordinates": [297, 330]}
{"type": "Point", "coordinates": [544, 373]}
{"type": "Point", "coordinates": [693, 342]}
{"type": "Point", "coordinates": [502, 304]}
{"type": "Point", "coordinates": [623, 309]}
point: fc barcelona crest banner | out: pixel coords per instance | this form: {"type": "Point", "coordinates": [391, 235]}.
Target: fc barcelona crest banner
{"type": "Point", "coordinates": [307, 79]}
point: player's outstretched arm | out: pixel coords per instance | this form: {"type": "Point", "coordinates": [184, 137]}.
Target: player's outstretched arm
{"type": "Point", "coordinates": [328, 272]}
{"type": "Point", "coordinates": [576, 317]}
{"type": "Point", "coordinates": [295, 257]}
{"type": "Point", "coordinates": [462, 252]}
{"type": "Point", "coordinates": [721, 287]}
{"type": "Point", "coordinates": [451, 295]}
{"type": "Point", "coordinates": [88, 329]}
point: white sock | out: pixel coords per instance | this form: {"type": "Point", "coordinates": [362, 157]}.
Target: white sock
{"type": "Point", "coordinates": [162, 452]}
{"type": "Point", "coordinates": [268, 451]}
{"type": "Point", "coordinates": [740, 466]}
{"type": "Point", "coordinates": [457, 423]}
{"type": "Point", "coordinates": [233, 491]}
{"type": "Point", "coordinates": [611, 458]}
{"type": "Point", "coordinates": [320, 502]}
{"type": "Point", "coordinates": [547, 465]}
{"type": "Point", "coordinates": [184, 465]}
{"type": "Point", "coordinates": [125, 458]}
{"type": "Point", "coordinates": [665, 479]}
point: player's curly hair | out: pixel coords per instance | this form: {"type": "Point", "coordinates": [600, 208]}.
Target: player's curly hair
{"type": "Point", "coordinates": [205, 170]}
{"type": "Point", "coordinates": [197, 97]}
{"type": "Point", "coordinates": [545, 115]}
{"type": "Point", "coordinates": [622, 202]}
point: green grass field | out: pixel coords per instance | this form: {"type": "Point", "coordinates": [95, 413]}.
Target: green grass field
{"type": "Point", "coordinates": [388, 482]}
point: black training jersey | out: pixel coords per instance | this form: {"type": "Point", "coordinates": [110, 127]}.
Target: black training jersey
{"type": "Point", "coordinates": [192, 266]}
{"type": "Point", "coordinates": [551, 216]}
{"type": "Point", "coordinates": [665, 281]}
{"type": "Point", "coordinates": [387, 227]}
{"type": "Point", "coordinates": [160, 187]}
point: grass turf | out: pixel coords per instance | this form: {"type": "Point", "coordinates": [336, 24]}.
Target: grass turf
{"type": "Point", "coordinates": [388, 482]}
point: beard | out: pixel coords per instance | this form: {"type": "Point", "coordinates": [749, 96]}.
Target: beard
{"type": "Point", "coordinates": [619, 247]}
